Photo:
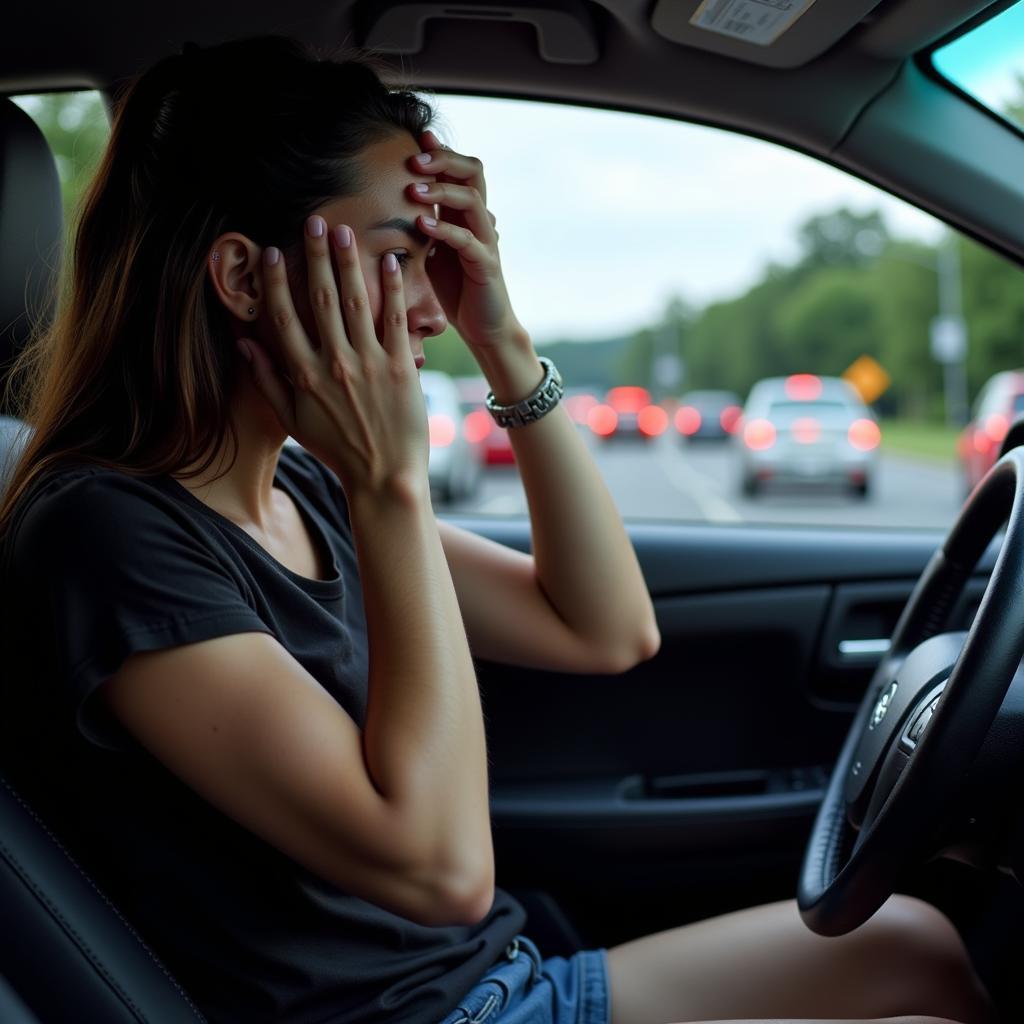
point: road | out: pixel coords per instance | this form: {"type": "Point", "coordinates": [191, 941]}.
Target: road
{"type": "Point", "coordinates": [669, 479]}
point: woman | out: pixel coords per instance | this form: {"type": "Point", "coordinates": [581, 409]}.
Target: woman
{"type": "Point", "coordinates": [257, 716]}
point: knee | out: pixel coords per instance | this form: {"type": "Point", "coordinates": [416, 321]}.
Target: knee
{"type": "Point", "coordinates": [916, 1020]}
{"type": "Point", "coordinates": [934, 968]}
{"type": "Point", "coordinates": [915, 929]}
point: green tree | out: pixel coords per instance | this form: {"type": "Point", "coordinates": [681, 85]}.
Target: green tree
{"type": "Point", "coordinates": [448, 353]}
{"type": "Point", "coordinates": [842, 238]}
{"type": "Point", "coordinates": [830, 321]}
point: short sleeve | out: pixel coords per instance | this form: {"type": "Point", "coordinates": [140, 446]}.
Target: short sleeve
{"type": "Point", "coordinates": [116, 568]}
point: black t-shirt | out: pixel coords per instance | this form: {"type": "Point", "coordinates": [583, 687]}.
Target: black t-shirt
{"type": "Point", "coordinates": [105, 564]}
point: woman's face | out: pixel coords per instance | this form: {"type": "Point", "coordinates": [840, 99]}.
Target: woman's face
{"type": "Point", "coordinates": [383, 219]}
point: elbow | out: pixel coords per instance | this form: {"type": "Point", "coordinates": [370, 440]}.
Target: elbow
{"type": "Point", "coordinates": [468, 894]}
{"type": "Point", "coordinates": [650, 641]}
{"type": "Point", "coordinates": [472, 907]}
{"type": "Point", "coordinates": [643, 646]}
{"type": "Point", "coordinates": [462, 897]}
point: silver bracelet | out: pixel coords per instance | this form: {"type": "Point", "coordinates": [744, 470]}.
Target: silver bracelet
{"type": "Point", "coordinates": [533, 406]}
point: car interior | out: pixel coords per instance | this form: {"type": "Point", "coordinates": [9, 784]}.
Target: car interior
{"type": "Point", "coordinates": [708, 778]}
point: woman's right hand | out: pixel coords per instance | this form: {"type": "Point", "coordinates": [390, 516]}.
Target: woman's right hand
{"type": "Point", "coordinates": [355, 400]}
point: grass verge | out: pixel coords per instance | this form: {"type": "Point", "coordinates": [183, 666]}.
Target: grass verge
{"type": "Point", "coordinates": [933, 441]}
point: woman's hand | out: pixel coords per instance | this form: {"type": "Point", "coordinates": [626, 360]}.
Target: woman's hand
{"type": "Point", "coordinates": [353, 400]}
{"type": "Point", "coordinates": [464, 269]}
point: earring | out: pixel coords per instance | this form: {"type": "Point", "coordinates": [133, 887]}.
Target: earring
{"type": "Point", "coordinates": [216, 256]}
{"type": "Point", "coordinates": [252, 309]}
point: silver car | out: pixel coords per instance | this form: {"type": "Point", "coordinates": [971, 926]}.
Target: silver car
{"type": "Point", "coordinates": [807, 429]}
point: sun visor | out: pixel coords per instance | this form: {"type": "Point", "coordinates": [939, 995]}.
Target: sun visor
{"type": "Point", "coordinates": [775, 33]}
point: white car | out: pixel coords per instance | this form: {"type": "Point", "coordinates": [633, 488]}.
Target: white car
{"type": "Point", "coordinates": [807, 429]}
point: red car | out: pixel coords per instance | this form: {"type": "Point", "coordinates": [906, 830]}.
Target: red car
{"type": "Point", "coordinates": [478, 425]}
{"type": "Point", "coordinates": [1000, 402]}
{"type": "Point", "coordinates": [627, 412]}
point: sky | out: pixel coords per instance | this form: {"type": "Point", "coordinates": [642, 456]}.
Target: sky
{"type": "Point", "coordinates": [987, 61]}
{"type": "Point", "coordinates": [603, 216]}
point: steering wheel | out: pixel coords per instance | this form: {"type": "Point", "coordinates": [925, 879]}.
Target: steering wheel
{"type": "Point", "coordinates": [924, 716]}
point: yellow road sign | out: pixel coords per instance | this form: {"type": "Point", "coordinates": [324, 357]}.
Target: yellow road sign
{"type": "Point", "coordinates": [868, 376]}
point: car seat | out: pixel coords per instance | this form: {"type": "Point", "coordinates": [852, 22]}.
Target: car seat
{"type": "Point", "coordinates": [66, 953]}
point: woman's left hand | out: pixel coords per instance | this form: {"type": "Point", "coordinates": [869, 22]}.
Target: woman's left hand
{"type": "Point", "coordinates": [465, 268]}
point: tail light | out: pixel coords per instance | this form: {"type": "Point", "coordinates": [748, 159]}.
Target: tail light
{"type": "Point", "coordinates": [687, 420]}
{"type": "Point", "coordinates": [441, 430]}
{"type": "Point", "coordinates": [803, 387]}
{"type": "Point", "coordinates": [602, 420]}
{"type": "Point", "coordinates": [997, 426]}
{"type": "Point", "coordinates": [759, 435]}
{"type": "Point", "coordinates": [983, 443]}
{"type": "Point", "coordinates": [864, 435]}
{"type": "Point", "coordinates": [652, 420]}
{"type": "Point", "coordinates": [476, 426]}
{"type": "Point", "coordinates": [730, 418]}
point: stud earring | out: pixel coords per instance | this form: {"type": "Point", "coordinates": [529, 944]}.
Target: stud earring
{"type": "Point", "coordinates": [215, 257]}
{"type": "Point", "coordinates": [252, 309]}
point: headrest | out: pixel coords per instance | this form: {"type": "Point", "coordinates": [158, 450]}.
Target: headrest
{"type": "Point", "coordinates": [31, 220]}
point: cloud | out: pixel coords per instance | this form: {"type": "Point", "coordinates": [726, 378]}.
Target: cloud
{"type": "Point", "coordinates": [603, 214]}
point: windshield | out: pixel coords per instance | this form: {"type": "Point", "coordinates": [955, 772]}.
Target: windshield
{"type": "Point", "coordinates": [988, 63]}
{"type": "Point", "coordinates": [830, 413]}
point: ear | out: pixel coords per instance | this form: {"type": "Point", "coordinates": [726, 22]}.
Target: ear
{"type": "Point", "coordinates": [234, 263]}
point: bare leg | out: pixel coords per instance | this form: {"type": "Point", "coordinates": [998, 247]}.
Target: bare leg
{"type": "Point", "coordinates": [764, 963]}
{"type": "Point", "coordinates": [833, 1020]}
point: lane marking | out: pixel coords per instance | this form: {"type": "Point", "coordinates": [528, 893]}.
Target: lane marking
{"type": "Point", "coordinates": [698, 488]}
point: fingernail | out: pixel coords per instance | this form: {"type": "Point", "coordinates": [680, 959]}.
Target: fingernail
{"type": "Point", "coordinates": [424, 158]}
{"type": "Point", "coordinates": [421, 188]}
{"type": "Point", "coordinates": [315, 226]}
{"type": "Point", "coordinates": [244, 349]}
{"type": "Point", "coordinates": [430, 222]}
{"type": "Point", "coordinates": [390, 262]}
{"type": "Point", "coordinates": [271, 255]}
{"type": "Point", "coordinates": [343, 236]}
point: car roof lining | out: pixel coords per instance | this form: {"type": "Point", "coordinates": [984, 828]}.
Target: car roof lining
{"type": "Point", "coordinates": [828, 107]}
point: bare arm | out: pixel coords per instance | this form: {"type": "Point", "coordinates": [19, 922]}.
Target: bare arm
{"type": "Point", "coordinates": [397, 814]}
{"type": "Point", "coordinates": [580, 604]}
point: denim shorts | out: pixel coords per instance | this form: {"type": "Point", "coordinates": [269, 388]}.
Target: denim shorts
{"type": "Point", "coordinates": [523, 988]}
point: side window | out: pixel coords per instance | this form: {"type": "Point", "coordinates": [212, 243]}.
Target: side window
{"type": "Point", "coordinates": [668, 268]}
{"type": "Point", "coordinates": [76, 126]}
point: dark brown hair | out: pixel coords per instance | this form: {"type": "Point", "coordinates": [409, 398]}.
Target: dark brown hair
{"type": "Point", "coordinates": [137, 370]}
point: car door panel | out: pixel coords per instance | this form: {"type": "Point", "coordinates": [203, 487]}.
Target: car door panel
{"type": "Point", "coordinates": [687, 786]}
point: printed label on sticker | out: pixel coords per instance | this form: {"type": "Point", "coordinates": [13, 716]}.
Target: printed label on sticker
{"type": "Point", "coordinates": [754, 21]}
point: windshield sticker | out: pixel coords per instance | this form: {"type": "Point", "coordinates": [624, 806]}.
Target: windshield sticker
{"type": "Point", "coordinates": [754, 21]}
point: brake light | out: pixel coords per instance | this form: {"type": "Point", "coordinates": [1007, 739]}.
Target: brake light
{"type": "Point", "coordinates": [441, 430]}
{"type": "Point", "coordinates": [652, 420]}
{"type": "Point", "coordinates": [730, 418]}
{"type": "Point", "coordinates": [997, 426]}
{"type": "Point", "coordinates": [602, 420]}
{"type": "Point", "coordinates": [628, 398]}
{"type": "Point", "coordinates": [759, 435]}
{"type": "Point", "coordinates": [476, 426]}
{"type": "Point", "coordinates": [864, 435]}
{"type": "Point", "coordinates": [687, 420]}
{"type": "Point", "coordinates": [983, 444]}
{"type": "Point", "coordinates": [806, 430]}
{"type": "Point", "coordinates": [803, 387]}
